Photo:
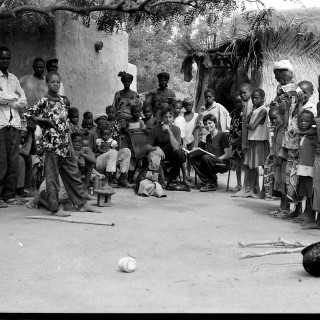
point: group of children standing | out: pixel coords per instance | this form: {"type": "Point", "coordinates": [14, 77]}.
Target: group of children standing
{"type": "Point", "coordinates": [283, 138]}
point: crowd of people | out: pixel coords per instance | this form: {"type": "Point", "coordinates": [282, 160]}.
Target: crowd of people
{"type": "Point", "coordinates": [47, 154]}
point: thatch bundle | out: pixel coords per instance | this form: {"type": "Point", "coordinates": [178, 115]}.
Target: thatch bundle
{"type": "Point", "coordinates": [257, 51]}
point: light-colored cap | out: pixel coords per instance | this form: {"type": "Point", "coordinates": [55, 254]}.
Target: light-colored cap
{"type": "Point", "coordinates": [283, 64]}
{"type": "Point", "coordinates": [99, 115]}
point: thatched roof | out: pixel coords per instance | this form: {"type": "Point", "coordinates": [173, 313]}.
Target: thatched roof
{"type": "Point", "coordinates": [286, 38]}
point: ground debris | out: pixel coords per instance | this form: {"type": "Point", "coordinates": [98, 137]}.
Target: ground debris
{"type": "Point", "coordinates": [291, 247]}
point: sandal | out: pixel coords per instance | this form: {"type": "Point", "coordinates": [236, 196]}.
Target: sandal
{"type": "Point", "coordinates": [3, 204]}
{"type": "Point", "coordinates": [274, 212]}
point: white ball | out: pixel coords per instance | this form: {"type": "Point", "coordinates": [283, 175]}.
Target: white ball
{"type": "Point", "coordinates": [127, 264]}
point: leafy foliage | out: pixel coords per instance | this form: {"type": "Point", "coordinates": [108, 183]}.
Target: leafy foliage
{"type": "Point", "coordinates": [28, 22]}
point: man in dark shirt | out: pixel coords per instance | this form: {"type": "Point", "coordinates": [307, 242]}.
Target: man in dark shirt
{"type": "Point", "coordinates": [163, 143]}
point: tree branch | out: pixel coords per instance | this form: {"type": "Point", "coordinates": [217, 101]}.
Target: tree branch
{"type": "Point", "coordinates": [143, 6]}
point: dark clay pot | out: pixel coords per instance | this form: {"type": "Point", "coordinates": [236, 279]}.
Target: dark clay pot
{"type": "Point", "coordinates": [311, 259]}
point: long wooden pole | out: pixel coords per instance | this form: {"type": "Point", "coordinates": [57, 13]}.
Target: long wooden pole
{"type": "Point", "coordinates": [69, 220]}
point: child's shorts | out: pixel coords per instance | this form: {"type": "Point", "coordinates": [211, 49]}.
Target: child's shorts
{"type": "Point", "coordinates": [305, 186]}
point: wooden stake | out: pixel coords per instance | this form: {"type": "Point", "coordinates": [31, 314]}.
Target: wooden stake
{"type": "Point", "coordinates": [52, 218]}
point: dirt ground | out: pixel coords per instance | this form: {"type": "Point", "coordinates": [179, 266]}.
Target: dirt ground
{"type": "Point", "coordinates": [187, 252]}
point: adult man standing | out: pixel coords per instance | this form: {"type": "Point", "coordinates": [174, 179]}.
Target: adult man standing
{"type": "Point", "coordinates": [12, 98]}
{"type": "Point", "coordinates": [52, 65]}
{"type": "Point", "coordinates": [34, 85]}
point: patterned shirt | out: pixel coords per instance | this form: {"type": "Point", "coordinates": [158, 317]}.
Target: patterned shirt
{"type": "Point", "coordinates": [54, 139]}
{"type": "Point", "coordinates": [236, 133]}
{"type": "Point", "coordinates": [12, 97]}
{"type": "Point", "coordinates": [115, 130]}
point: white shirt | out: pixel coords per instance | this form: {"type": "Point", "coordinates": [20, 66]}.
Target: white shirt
{"type": "Point", "coordinates": [12, 97]}
{"type": "Point", "coordinates": [310, 106]}
{"type": "Point", "coordinates": [180, 122]}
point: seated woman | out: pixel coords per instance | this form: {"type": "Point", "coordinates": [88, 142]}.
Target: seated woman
{"type": "Point", "coordinates": [207, 166]}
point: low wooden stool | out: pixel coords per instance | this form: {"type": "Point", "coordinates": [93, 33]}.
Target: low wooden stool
{"type": "Point", "coordinates": [104, 196]}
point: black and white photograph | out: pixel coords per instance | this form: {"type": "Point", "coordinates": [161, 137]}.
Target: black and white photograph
{"type": "Point", "coordinates": [159, 157]}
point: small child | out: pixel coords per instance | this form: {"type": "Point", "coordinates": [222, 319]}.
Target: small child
{"type": "Point", "coordinates": [179, 120]}
{"type": "Point", "coordinates": [51, 112]}
{"type": "Point", "coordinates": [307, 89]}
{"type": "Point", "coordinates": [291, 143]}
{"type": "Point", "coordinates": [279, 157]}
{"type": "Point", "coordinates": [135, 124]}
{"type": "Point", "coordinates": [308, 145]}
{"type": "Point", "coordinates": [113, 123]}
{"type": "Point", "coordinates": [258, 138]}
{"type": "Point", "coordinates": [73, 115]}
{"type": "Point", "coordinates": [191, 129]}
{"type": "Point", "coordinates": [85, 159]}
{"type": "Point", "coordinates": [245, 91]}
{"type": "Point", "coordinates": [149, 120]}
{"type": "Point", "coordinates": [235, 137]}
{"type": "Point", "coordinates": [105, 143]}
{"type": "Point", "coordinates": [87, 123]}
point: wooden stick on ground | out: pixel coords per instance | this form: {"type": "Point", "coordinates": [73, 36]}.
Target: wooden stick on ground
{"type": "Point", "coordinates": [285, 251]}
{"type": "Point", "coordinates": [69, 220]}
{"type": "Point", "coordinates": [277, 243]}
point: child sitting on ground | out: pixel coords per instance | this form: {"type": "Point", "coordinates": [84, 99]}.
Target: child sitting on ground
{"type": "Point", "coordinates": [191, 130]}
{"type": "Point", "coordinates": [235, 137]}
{"type": "Point", "coordinates": [258, 138]}
{"type": "Point", "coordinates": [135, 124]}
{"type": "Point", "coordinates": [279, 157]}
{"type": "Point", "coordinates": [149, 120]}
{"type": "Point", "coordinates": [51, 112]}
{"type": "Point", "coordinates": [105, 143]}
{"type": "Point", "coordinates": [73, 116]}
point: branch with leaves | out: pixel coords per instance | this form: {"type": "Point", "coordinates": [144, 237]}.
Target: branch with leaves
{"type": "Point", "coordinates": [115, 14]}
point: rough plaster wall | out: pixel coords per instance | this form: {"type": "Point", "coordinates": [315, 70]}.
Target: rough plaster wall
{"type": "Point", "coordinates": [24, 48]}
{"type": "Point", "coordinates": [90, 78]}
{"type": "Point", "coordinates": [133, 70]}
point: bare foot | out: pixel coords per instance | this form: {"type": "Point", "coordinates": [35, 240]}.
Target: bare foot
{"type": "Point", "coordinates": [239, 194]}
{"type": "Point", "coordinates": [312, 225]}
{"type": "Point", "coordinates": [88, 208]}
{"type": "Point", "coordinates": [60, 213]}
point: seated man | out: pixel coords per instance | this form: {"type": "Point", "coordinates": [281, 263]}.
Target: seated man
{"type": "Point", "coordinates": [207, 166]}
{"type": "Point", "coordinates": [108, 161]}
{"type": "Point", "coordinates": [163, 143]}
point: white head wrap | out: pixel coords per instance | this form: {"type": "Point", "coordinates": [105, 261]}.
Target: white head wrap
{"type": "Point", "coordinates": [283, 64]}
